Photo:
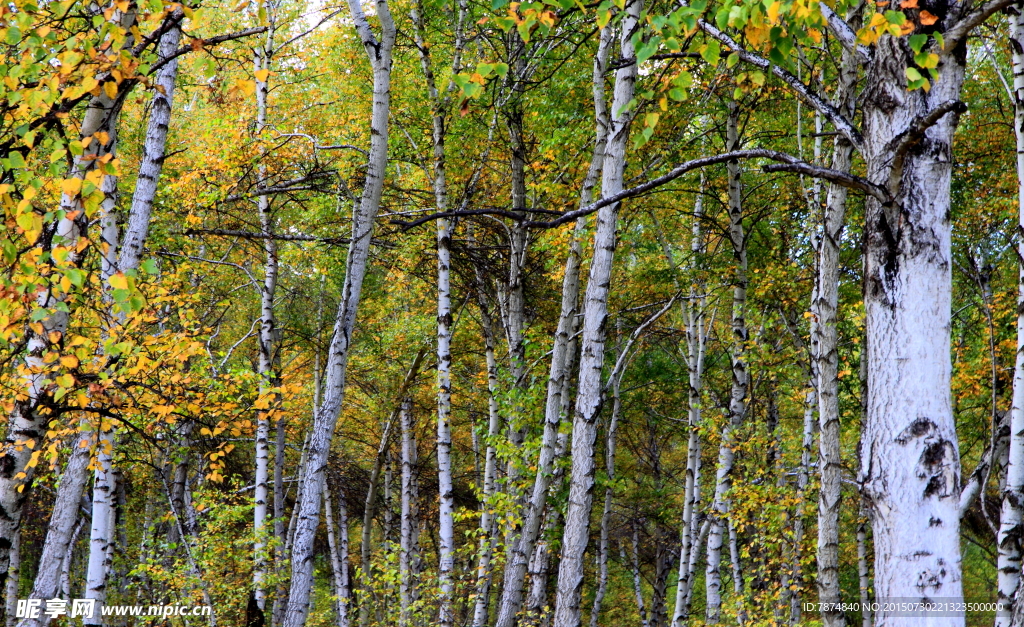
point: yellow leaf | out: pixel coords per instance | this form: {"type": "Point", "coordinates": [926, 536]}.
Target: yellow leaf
{"type": "Point", "coordinates": [262, 75]}
{"type": "Point", "coordinates": [69, 361]}
{"type": "Point", "coordinates": [241, 5]}
{"type": "Point", "coordinates": [773, 12]}
{"type": "Point", "coordinates": [119, 281]}
{"type": "Point", "coordinates": [72, 186]}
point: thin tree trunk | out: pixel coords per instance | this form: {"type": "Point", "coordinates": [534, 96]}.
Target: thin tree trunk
{"type": "Point", "coordinates": [366, 544]}
{"type": "Point", "coordinates": [825, 352]}
{"type": "Point", "coordinates": [576, 533]}
{"type": "Point", "coordinates": [606, 513]}
{"type": "Point", "coordinates": [267, 343]}
{"type": "Point", "coordinates": [693, 310]}
{"type": "Point", "coordinates": [524, 539]}
{"type": "Point", "coordinates": [410, 516]}
{"type": "Point", "coordinates": [1011, 518]}
{"type": "Point", "coordinates": [740, 379]}
{"type": "Point", "coordinates": [638, 591]}
{"type": "Point", "coordinates": [339, 554]}
{"type": "Point", "coordinates": [364, 215]}
{"type": "Point", "coordinates": [488, 528]}
{"type": "Point", "coordinates": [863, 572]}
{"type": "Point", "coordinates": [13, 579]}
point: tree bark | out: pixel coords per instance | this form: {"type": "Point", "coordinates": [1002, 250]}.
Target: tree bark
{"type": "Point", "coordinates": [364, 215]}
{"type": "Point", "coordinates": [825, 352]}
{"type": "Point", "coordinates": [1011, 525]}
{"type": "Point", "coordinates": [576, 534]}
{"type": "Point", "coordinates": [719, 516]}
{"type": "Point", "coordinates": [410, 516]}
{"type": "Point", "coordinates": [910, 438]}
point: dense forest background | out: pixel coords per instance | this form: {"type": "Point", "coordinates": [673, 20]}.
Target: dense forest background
{"type": "Point", "coordinates": [483, 314]}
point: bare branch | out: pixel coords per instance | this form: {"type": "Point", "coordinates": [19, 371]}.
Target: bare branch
{"type": "Point", "coordinates": [206, 43]}
{"type": "Point", "coordinates": [845, 34]}
{"type": "Point", "coordinates": [812, 98]}
{"type": "Point", "coordinates": [959, 31]}
{"type": "Point", "coordinates": [790, 164]}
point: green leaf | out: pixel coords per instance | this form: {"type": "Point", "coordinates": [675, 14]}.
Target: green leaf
{"type": "Point", "coordinates": [917, 42]}
{"type": "Point", "coordinates": [712, 52]}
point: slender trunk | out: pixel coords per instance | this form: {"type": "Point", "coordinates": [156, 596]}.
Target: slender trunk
{"type": "Point", "coordinates": [576, 533]}
{"type": "Point", "coordinates": [364, 215]}
{"type": "Point", "coordinates": [525, 538]}
{"type": "Point", "coordinates": [825, 352]}
{"type": "Point", "coordinates": [13, 579]}
{"type": "Point", "coordinates": [366, 544]}
{"type": "Point", "coordinates": [1011, 519]}
{"type": "Point", "coordinates": [740, 379]}
{"type": "Point", "coordinates": [64, 589]}
{"type": "Point", "coordinates": [339, 556]}
{"type": "Point", "coordinates": [487, 524]}
{"type": "Point", "coordinates": [638, 591]}
{"type": "Point", "coordinates": [606, 513]}
{"type": "Point", "coordinates": [863, 573]}
{"type": "Point", "coordinates": [268, 325]}
{"type": "Point", "coordinates": [693, 309]}
{"type": "Point", "coordinates": [410, 516]}
{"type": "Point", "coordinates": [446, 510]}
{"type": "Point", "coordinates": [60, 530]}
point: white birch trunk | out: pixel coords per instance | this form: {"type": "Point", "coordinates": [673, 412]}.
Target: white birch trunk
{"type": "Point", "coordinates": [863, 572]}
{"type": "Point", "coordinates": [825, 352]}
{"type": "Point", "coordinates": [267, 343]}
{"type": "Point", "coordinates": [740, 379]}
{"type": "Point", "coordinates": [1011, 525]}
{"type": "Point", "coordinates": [364, 215]}
{"type": "Point", "coordinates": [339, 554]}
{"type": "Point", "coordinates": [693, 310]}
{"type": "Point", "coordinates": [576, 534]}
{"type": "Point", "coordinates": [13, 580]}
{"type": "Point", "coordinates": [524, 540]}
{"type": "Point", "coordinates": [606, 512]}
{"type": "Point", "coordinates": [638, 590]}
{"type": "Point", "coordinates": [494, 424]}
{"type": "Point", "coordinates": [910, 466]}
{"type": "Point", "coordinates": [410, 516]}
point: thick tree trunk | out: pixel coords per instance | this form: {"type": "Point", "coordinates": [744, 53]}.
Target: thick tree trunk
{"type": "Point", "coordinates": [910, 466]}
{"type": "Point", "coordinates": [576, 534]}
{"type": "Point", "coordinates": [740, 379]}
{"type": "Point", "coordinates": [1011, 519]}
{"type": "Point", "coordinates": [364, 215]}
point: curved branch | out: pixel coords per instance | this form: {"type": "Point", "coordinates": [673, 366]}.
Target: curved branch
{"type": "Point", "coordinates": [812, 98]}
{"type": "Point", "coordinates": [959, 31]}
